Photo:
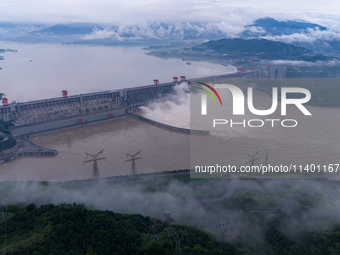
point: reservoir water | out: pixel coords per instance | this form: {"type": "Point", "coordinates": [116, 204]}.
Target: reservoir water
{"type": "Point", "coordinates": [40, 71]}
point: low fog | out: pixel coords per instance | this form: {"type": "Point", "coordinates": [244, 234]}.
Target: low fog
{"type": "Point", "coordinates": [196, 203]}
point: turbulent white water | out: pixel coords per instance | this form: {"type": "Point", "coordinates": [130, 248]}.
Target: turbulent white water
{"type": "Point", "coordinates": [170, 113]}
{"type": "Point", "coordinates": [145, 110]}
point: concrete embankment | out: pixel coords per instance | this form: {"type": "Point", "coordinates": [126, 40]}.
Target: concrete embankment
{"type": "Point", "coordinates": [172, 128]}
{"type": "Point", "coordinates": [25, 148]}
{"type": "Point", "coordinates": [57, 125]}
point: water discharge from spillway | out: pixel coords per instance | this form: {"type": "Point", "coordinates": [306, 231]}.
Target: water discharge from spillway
{"type": "Point", "coordinates": [171, 113]}
{"type": "Point", "coordinates": [145, 110]}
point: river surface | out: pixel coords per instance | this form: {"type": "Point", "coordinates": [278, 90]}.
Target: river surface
{"type": "Point", "coordinates": [40, 71]}
{"type": "Point", "coordinates": [161, 150]}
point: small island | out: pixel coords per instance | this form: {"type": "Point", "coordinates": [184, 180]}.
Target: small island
{"type": "Point", "coordinates": [4, 50]}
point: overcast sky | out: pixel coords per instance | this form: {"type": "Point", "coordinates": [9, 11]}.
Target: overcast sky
{"type": "Point", "coordinates": [234, 12]}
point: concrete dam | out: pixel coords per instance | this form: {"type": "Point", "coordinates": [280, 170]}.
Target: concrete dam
{"type": "Point", "coordinates": [35, 117]}
{"type": "Point", "coordinates": [26, 119]}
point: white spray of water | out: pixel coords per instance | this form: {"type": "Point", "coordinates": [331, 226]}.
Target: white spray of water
{"type": "Point", "coordinates": [145, 110]}
{"type": "Point", "coordinates": [170, 113]}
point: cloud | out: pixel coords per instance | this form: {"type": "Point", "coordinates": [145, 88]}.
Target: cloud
{"type": "Point", "coordinates": [310, 36]}
{"type": "Point", "coordinates": [305, 63]}
{"type": "Point", "coordinates": [101, 34]}
{"type": "Point", "coordinates": [115, 12]}
{"type": "Point", "coordinates": [158, 30]}
{"type": "Point", "coordinates": [229, 30]}
{"type": "Point", "coordinates": [256, 30]}
{"type": "Point", "coordinates": [231, 12]}
{"type": "Point", "coordinates": [205, 17]}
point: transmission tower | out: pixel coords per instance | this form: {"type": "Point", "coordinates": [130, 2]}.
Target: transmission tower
{"type": "Point", "coordinates": [252, 158]}
{"type": "Point", "coordinates": [223, 229]}
{"type": "Point", "coordinates": [132, 155]}
{"type": "Point", "coordinates": [154, 228]}
{"type": "Point", "coordinates": [133, 163]}
{"type": "Point", "coordinates": [254, 155]}
{"type": "Point", "coordinates": [95, 171]}
{"type": "Point", "coordinates": [168, 219]}
{"type": "Point", "coordinates": [178, 236]}
{"type": "Point", "coordinates": [267, 157]}
{"type": "Point", "coordinates": [175, 236]}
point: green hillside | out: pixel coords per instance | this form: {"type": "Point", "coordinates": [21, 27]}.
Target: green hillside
{"type": "Point", "coordinates": [280, 222]}
{"type": "Point", "coordinates": [73, 229]}
{"type": "Point", "coordinates": [261, 48]}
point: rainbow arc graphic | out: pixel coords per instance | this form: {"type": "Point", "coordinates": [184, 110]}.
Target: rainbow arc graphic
{"type": "Point", "coordinates": [204, 97]}
{"type": "Point", "coordinates": [209, 93]}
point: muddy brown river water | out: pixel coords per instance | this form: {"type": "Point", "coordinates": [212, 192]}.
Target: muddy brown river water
{"type": "Point", "coordinates": [116, 137]}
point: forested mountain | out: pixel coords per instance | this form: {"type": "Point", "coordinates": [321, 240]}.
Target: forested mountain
{"type": "Point", "coordinates": [73, 229]}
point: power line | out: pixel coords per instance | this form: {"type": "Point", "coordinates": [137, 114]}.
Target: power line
{"type": "Point", "coordinates": [286, 244]}
{"type": "Point", "coordinates": [252, 159]}
{"type": "Point", "coordinates": [250, 245]}
{"type": "Point", "coordinates": [137, 249]}
{"type": "Point", "coordinates": [267, 156]}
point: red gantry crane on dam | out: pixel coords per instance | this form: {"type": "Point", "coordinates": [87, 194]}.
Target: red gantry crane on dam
{"type": "Point", "coordinates": [174, 79]}
{"type": "Point", "coordinates": [64, 92]}
{"type": "Point", "coordinates": [4, 100]}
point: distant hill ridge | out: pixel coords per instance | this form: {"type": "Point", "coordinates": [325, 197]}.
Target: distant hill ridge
{"type": "Point", "coordinates": [70, 29]}
{"type": "Point", "coordinates": [276, 27]}
{"type": "Point", "coordinates": [257, 48]}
